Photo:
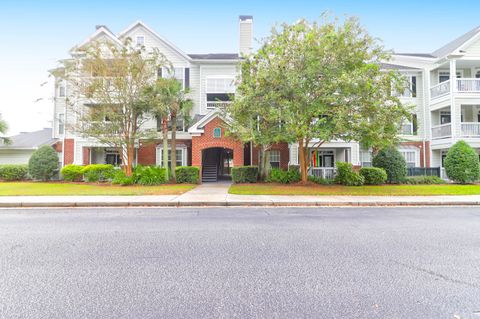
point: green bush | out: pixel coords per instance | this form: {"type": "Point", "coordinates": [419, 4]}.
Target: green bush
{"type": "Point", "coordinates": [98, 172]}
{"type": "Point", "coordinates": [43, 164]}
{"type": "Point", "coordinates": [149, 175]}
{"type": "Point", "coordinates": [423, 180]}
{"type": "Point", "coordinates": [13, 172]}
{"type": "Point", "coordinates": [320, 180]}
{"type": "Point", "coordinates": [245, 174]}
{"type": "Point", "coordinates": [120, 178]}
{"type": "Point", "coordinates": [278, 175]}
{"type": "Point", "coordinates": [187, 174]}
{"type": "Point", "coordinates": [393, 162]}
{"type": "Point", "coordinates": [461, 164]}
{"type": "Point", "coordinates": [72, 173]}
{"type": "Point", "coordinates": [346, 176]}
{"type": "Point", "coordinates": [373, 175]}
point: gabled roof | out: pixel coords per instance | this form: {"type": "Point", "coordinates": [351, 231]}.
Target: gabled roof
{"type": "Point", "coordinates": [456, 44]}
{"type": "Point", "coordinates": [198, 127]}
{"type": "Point", "coordinates": [390, 66]}
{"type": "Point", "coordinates": [142, 24]}
{"type": "Point", "coordinates": [31, 140]}
{"type": "Point", "coordinates": [100, 30]}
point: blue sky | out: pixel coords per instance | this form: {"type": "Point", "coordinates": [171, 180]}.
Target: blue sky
{"type": "Point", "coordinates": [35, 34]}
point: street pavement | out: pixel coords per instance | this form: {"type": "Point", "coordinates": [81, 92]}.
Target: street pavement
{"type": "Point", "coordinates": [240, 262]}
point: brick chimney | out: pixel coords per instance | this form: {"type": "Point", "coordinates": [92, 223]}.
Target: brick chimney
{"type": "Point", "coordinates": [246, 34]}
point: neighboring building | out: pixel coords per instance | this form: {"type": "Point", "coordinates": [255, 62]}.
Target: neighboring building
{"type": "Point", "coordinates": [23, 145]}
{"type": "Point", "coordinates": [210, 78]}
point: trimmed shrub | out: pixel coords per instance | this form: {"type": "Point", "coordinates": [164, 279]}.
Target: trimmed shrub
{"type": "Point", "coordinates": [72, 173]}
{"type": "Point", "coordinates": [98, 172]}
{"type": "Point", "coordinates": [461, 164]}
{"type": "Point", "coordinates": [423, 180]}
{"type": "Point", "coordinates": [149, 175]}
{"type": "Point", "coordinates": [13, 172]}
{"type": "Point", "coordinates": [393, 162]}
{"type": "Point", "coordinates": [320, 180]}
{"type": "Point", "coordinates": [278, 175]}
{"type": "Point", "coordinates": [346, 176]}
{"type": "Point", "coordinates": [43, 163]}
{"type": "Point", "coordinates": [373, 175]}
{"type": "Point", "coordinates": [120, 178]}
{"type": "Point", "coordinates": [187, 174]}
{"type": "Point", "coordinates": [245, 174]}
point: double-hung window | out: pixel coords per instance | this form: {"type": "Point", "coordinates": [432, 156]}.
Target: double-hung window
{"type": "Point", "coordinates": [181, 158]}
{"type": "Point", "coordinates": [61, 89]}
{"type": "Point", "coordinates": [274, 158]}
{"type": "Point", "coordinates": [61, 123]}
{"type": "Point", "coordinates": [365, 158]}
{"type": "Point", "coordinates": [174, 73]}
{"type": "Point", "coordinates": [410, 157]}
{"type": "Point", "coordinates": [411, 90]}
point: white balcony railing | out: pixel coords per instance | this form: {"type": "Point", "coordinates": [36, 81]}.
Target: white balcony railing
{"type": "Point", "coordinates": [440, 89]}
{"type": "Point", "coordinates": [470, 129]}
{"type": "Point", "coordinates": [323, 172]}
{"type": "Point", "coordinates": [468, 85]}
{"type": "Point", "coordinates": [214, 104]}
{"type": "Point", "coordinates": [441, 131]}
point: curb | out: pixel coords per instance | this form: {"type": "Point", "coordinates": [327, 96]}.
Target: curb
{"type": "Point", "coordinates": [234, 204]}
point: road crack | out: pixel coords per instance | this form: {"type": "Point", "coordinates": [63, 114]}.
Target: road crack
{"type": "Point", "coordinates": [435, 274]}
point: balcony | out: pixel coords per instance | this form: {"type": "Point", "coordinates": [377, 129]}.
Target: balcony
{"type": "Point", "coordinates": [470, 129]}
{"type": "Point", "coordinates": [442, 131]}
{"type": "Point", "coordinates": [217, 104]}
{"type": "Point", "coordinates": [463, 85]}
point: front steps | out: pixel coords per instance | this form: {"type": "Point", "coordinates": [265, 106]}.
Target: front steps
{"type": "Point", "coordinates": [209, 173]}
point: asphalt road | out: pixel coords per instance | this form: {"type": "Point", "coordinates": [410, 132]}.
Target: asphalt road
{"type": "Point", "coordinates": [240, 263]}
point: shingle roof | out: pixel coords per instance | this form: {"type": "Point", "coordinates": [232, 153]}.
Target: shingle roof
{"type": "Point", "coordinates": [455, 44]}
{"type": "Point", "coordinates": [215, 56]}
{"type": "Point", "coordinates": [31, 140]}
{"type": "Point", "coordinates": [421, 55]}
{"type": "Point", "coordinates": [390, 66]}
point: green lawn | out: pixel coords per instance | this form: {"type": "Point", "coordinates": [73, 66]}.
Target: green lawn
{"type": "Point", "coordinates": [383, 190]}
{"type": "Point", "coordinates": [52, 189]}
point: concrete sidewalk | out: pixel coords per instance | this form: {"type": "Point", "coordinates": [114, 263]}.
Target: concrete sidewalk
{"type": "Point", "coordinates": [216, 194]}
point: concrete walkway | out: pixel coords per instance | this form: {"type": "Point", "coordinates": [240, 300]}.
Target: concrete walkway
{"type": "Point", "coordinates": [216, 194]}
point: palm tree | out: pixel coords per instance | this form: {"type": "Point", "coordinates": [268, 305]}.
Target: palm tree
{"type": "Point", "coordinates": [3, 130]}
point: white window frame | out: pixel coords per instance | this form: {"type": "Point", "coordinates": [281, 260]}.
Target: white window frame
{"type": "Point", "coordinates": [166, 74]}
{"type": "Point", "coordinates": [366, 156]}
{"type": "Point", "coordinates": [140, 37]}
{"type": "Point", "coordinates": [274, 156]}
{"type": "Point", "coordinates": [446, 71]}
{"type": "Point", "coordinates": [62, 85]}
{"type": "Point", "coordinates": [159, 154]}
{"type": "Point", "coordinates": [61, 123]}
{"type": "Point", "coordinates": [408, 93]}
{"type": "Point", "coordinates": [416, 155]}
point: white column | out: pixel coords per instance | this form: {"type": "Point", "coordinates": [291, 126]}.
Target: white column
{"type": "Point", "coordinates": [453, 90]}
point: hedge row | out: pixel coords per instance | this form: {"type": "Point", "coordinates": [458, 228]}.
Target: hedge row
{"type": "Point", "coordinates": [13, 172]}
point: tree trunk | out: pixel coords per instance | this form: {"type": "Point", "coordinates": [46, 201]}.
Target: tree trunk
{"type": "Point", "coordinates": [303, 154]}
{"type": "Point", "coordinates": [165, 146]}
{"type": "Point", "coordinates": [174, 145]}
{"type": "Point", "coordinates": [130, 156]}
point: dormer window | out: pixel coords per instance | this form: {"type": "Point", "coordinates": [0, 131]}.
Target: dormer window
{"type": "Point", "coordinates": [140, 40]}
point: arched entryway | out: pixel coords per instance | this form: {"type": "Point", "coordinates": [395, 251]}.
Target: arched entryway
{"type": "Point", "coordinates": [217, 163]}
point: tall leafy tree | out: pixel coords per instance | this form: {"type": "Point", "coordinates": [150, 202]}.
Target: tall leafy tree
{"type": "Point", "coordinates": [3, 131]}
{"type": "Point", "coordinates": [109, 80]}
{"type": "Point", "coordinates": [327, 79]}
{"type": "Point", "coordinates": [255, 115]}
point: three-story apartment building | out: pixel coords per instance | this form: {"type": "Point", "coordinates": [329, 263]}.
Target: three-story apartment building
{"type": "Point", "coordinates": [447, 108]}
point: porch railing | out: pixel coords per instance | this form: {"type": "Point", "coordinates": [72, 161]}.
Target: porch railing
{"type": "Point", "coordinates": [217, 104]}
{"type": "Point", "coordinates": [470, 129]}
{"type": "Point", "coordinates": [323, 172]}
{"type": "Point", "coordinates": [468, 85]}
{"type": "Point", "coordinates": [441, 131]}
{"type": "Point", "coordinates": [440, 89]}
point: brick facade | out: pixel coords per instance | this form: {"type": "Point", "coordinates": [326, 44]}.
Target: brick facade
{"type": "Point", "coordinates": [284, 154]}
{"type": "Point", "coordinates": [147, 151]}
{"type": "Point", "coordinates": [86, 155]}
{"type": "Point", "coordinates": [68, 151]}
{"type": "Point", "coordinates": [419, 145]}
{"type": "Point", "coordinates": [206, 140]}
